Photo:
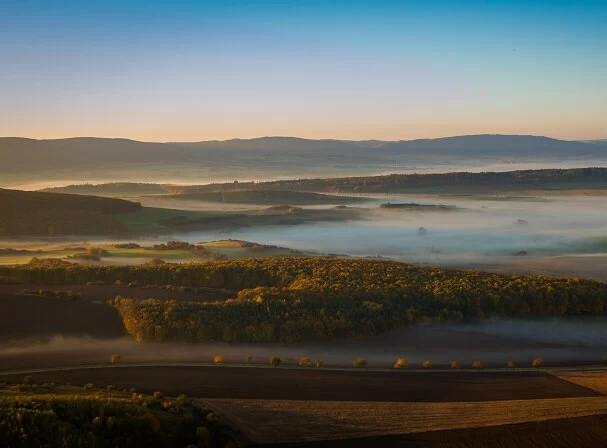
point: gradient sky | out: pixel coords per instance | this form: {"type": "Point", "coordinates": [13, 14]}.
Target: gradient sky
{"type": "Point", "coordinates": [199, 70]}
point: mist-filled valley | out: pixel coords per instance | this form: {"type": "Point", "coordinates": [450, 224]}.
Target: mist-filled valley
{"type": "Point", "coordinates": [295, 224]}
{"type": "Point", "coordinates": [541, 232]}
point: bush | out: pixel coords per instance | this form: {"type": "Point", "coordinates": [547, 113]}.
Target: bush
{"type": "Point", "coordinates": [275, 361]}
{"type": "Point", "coordinates": [115, 359]}
{"type": "Point", "coordinates": [511, 364]}
{"type": "Point", "coordinates": [400, 363]}
{"type": "Point", "coordinates": [110, 387]}
{"type": "Point", "coordinates": [127, 246]}
{"type": "Point", "coordinates": [218, 359]}
{"type": "Point", "coordinates": [89, 386]}
{"type": "Point", "coordinates": [249, 359]}
{"type": "Point", "coordinates": [427, 364]}
{"type": "Point", "coordinates": [319, 364]}
{"type": "Point", "coordinates": [537, 362]}
{"type": "Point", "coordinates": [157, 395]}
{"type": "Point", "coordinates": [477, 365]}
{"type": "Point", "coordinates": [359, 362]}
{"type": "Point", "coordinates": [305, 362]}
{"type": "Point", "coordinates": [454, 365]}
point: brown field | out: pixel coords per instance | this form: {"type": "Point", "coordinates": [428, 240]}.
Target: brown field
{"type": "Point", "coordinates": [31, 316]}
{"type": "Point", "coordinates": [580, 432]}
{"type": "Point", "coordinates": [266, 421]}
{"type": "Point", "coordinates": [107, 292]}
{"type": "Point", "coordinates": [323, 385]}
{"type": "Point", "coordinates": [595, 380]}
{"type": "Point", "coordinates": [352, 409]}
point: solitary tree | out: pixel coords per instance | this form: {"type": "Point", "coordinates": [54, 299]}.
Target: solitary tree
{"type": "Point", "coordinates": [275, 361]}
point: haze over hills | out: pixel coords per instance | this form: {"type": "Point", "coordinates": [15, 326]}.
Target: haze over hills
{"type": "Point", "coordinates": [271, 157]}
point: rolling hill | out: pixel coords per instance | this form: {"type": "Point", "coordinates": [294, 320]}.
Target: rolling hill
{"type": "Point", "coordinates": [49, 214]}
{"type": "Point", "coordinates": [98, 154]}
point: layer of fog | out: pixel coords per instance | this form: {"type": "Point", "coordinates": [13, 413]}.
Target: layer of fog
{"type": "Point", "coordinates": [477, 231]}
{"type": "Point", "coordinates": [556, 235]}
{"type": "Point", "coordinates": [494, 343]}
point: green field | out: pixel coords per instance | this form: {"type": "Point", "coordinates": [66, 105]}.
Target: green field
{"type": "Point", "coordinates": [212, 250]}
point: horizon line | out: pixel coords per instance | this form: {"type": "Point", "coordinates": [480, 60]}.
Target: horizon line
{"type": "Point", "coordinates": [582, 140]}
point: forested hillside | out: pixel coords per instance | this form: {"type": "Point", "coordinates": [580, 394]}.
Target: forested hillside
{"type": "Point", "coordinates": [296, 299]}
{"type": "Point", "coordinates": [36, 213]}
{"type": "Point", "coordinates": [456, 182]}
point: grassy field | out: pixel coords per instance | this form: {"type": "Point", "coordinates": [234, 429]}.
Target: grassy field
{"type": "Point", "coordinates": [230, 249]}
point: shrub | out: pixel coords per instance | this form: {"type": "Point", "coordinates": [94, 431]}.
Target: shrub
{"type": "Point", "coordinates": [477, 365]}
{"type": "Point", "coordinates": [127, 246]}
{"type": "Point", "coordinates": [110, 387]}
{"type": "Point", "coordinates": [305, 362]}
{"type": "Point", "coordinates": [319, 364]}
{"type": "Point", "coordinates": [427, 364]}
{"type": "Point", "coordinates": [359, 362]}
{"type": "Point", "coordinates": [454, 365]}
{"type": "Point", "coordinates": [89, 385]}
{"type": "Point", "coordinates": [400, 363]}
{"type": "Point", "coordinates": [537, 362]}
{"type": "Point", "coordinates": [218, 359]}
{"type": "Point", "coordinates": [275, 361]}
{"type": "Point", "coordinates": [511, 364]}
{"type": "Point", "coordinates": [115, 359]}
{"type": "Point", "coordinates": [249, 359]}
{"type": "Point", "coordinates": [182, 400]}
{"type": "Point", "coordinates": [157, 395]}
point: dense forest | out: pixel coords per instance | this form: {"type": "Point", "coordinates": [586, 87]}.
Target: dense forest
{"type": "Point", "coordinates": [36, 213]}
{"type": "Point", "coordinates": [44, 415]}
{"type": "Point", "coordinates": [445, 182]}
{"type": "Point", "coordinates": [296, 299]}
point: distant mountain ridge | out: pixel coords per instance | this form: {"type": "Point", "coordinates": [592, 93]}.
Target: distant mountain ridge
{"type": "Point", "coordinates": [89, 153]}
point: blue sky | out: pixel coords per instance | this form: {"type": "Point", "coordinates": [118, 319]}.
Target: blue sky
{"type": "Point", "coordinates": [197, 70]}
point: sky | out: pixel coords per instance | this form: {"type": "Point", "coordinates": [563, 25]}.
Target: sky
{"type": "Point", "coordinates": [202, 70]}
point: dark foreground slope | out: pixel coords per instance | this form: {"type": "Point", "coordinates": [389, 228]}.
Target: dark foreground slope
{"type": "Point", "coordinates": [44, 415]}
{"type": "Point", "coordinates": [36, 213]}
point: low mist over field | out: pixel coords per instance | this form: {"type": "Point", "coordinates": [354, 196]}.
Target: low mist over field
{"type": "Point", "coordinates": [557, 341]}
